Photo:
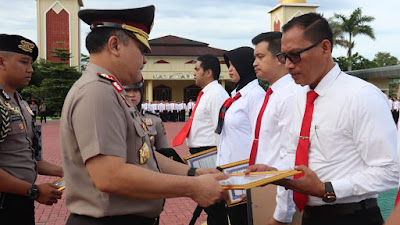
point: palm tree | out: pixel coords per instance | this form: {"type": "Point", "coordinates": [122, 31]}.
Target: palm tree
{"type": "Point", "coordinates": [350, 26]}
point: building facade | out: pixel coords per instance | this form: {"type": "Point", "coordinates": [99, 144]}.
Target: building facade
{"type": "Point", "coordinates": [168, 74]}
{"type": "Point", "coordinates": [58, 27]}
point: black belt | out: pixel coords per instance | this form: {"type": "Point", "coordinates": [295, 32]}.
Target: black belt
{"type": "Point", "coordinates": [112, 220]}
{"type": "Point", "coordinates": [324, 211]}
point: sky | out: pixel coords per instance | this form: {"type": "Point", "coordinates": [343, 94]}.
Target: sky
{"type": "Point", "coordinates": [223, 24]}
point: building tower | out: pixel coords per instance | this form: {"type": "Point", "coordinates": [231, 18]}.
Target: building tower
{"type": "Point", "coordinates": [287, 9]}
{"type": "Point", "coordinates": [58, 27]}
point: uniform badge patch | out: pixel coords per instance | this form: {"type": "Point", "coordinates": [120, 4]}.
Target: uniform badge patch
{"type": "Point", "coordinates": [148, 121]}
{"type": "Point", "coordinates": [21, 126]}
{"type": "Point", "coordinates": [144, 154]}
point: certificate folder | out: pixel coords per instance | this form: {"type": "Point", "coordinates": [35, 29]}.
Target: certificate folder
{"type": "Point", "coordinates": [60, 182]}
{"type": "Point", "coordinates": [242, 181]}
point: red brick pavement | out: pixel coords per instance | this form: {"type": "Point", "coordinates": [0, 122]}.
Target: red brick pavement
{"type": "Point", "coordinates": [177, 211]}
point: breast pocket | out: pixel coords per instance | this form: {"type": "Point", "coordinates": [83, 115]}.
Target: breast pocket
{"type": "Point", "coordinates": [330, 142]}
{"type": "Point", "coordinates": [16, 125]}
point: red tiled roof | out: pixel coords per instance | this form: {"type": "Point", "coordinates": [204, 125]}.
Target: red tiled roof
{"type": "Point", "coordinates": [176, 46]}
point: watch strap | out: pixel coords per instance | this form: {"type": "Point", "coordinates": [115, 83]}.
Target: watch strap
{"type": "Point", "coordinates": [192, 172]}
{"type": "Point", "coordinates": [329, 187]}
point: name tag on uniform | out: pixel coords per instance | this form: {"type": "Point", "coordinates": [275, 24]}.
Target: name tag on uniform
{"type": "Point", "coordinates": [144, 154]}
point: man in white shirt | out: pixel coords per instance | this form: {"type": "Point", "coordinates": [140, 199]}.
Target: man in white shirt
{"type": "Point", "coordinates": [205, 120]}
{"type": "Point", "coordinates": [277, 117]}
{"type": "Point", "coordinates": [190, 106]}
{"type": "Point", "coordinates": [352, 139]}
{"type": "Point", "coordinates": [396, 107]}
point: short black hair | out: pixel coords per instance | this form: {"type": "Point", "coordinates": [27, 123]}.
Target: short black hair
{"type": "Point", "coordinates": [273, 39]}
{"type": "Point", "coordinates": [98, 38]}
{"type": "Point", "coordinates": [316, 27]}
{"type": "Point", "coordinates": [211, 62]}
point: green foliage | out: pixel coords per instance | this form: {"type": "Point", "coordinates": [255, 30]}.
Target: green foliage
{"type": "Point", "coordinates": [385, 59]}
{"type": "Point", "coordinates": [51, 84]}
{"type": "Point", "coordinates": [61, 53]}
{"type": "Point", "coordinates": [350, 26]}
{"type": "Point", "coordinates": [359, 62]}
{"type": "Point", "coordinates": [84, 61]}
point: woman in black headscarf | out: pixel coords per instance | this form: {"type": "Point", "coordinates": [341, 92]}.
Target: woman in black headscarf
{"type": "Point", "coordinates": [238, 116]}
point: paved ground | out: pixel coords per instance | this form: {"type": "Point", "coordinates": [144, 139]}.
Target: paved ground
{"type": "Point", "coordinates": [177, 211]}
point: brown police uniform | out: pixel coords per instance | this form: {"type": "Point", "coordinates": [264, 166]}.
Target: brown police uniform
{"type": "Point", "coordinates": [17, 156]}
{"type": "Point", "coordinates": [156, 129]}
{"type": "Point", "coordinates": [96, 119]}
{"type": "Point", "coordinates": [16, 152]}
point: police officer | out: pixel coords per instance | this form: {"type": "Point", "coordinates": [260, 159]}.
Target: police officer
{"type": "Point", "coordinates": [157, 134]}
{"type": "Point", "coordinates": [18, 158]}
{"type": "Point", "coordinates": [112, 174]}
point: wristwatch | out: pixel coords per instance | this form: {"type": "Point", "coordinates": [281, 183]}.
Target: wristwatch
{"type": "Point", "coordinates": [329, 196]}
{"type": "Point", "coordinates": [192, 172]}
{"type": "Point", "coordinates": [33, 192]}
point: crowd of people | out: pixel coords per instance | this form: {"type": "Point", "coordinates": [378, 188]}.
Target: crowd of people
{"type": "Point", "coordinates": [335, 128]}
{"type": "Point", "coordinates": [170, 111]}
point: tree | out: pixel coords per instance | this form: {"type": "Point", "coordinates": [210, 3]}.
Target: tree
{"type": "Point", "coordinates": [351, 26]}
{"type": "Point", "coordinates": [385, 59]}
{"type": "Point", "coordinates": [61, 53]}
{"type": "Point", "coordinates": [84, 61]}
{"type": "Point", "coordinates": [55, 81]}
{"type": "Point", "coordinates": [359, 62]}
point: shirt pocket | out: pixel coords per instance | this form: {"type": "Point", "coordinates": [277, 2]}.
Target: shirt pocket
{"type": "Point", "coordinates": [16, 125]}
{"type": "Point", "coordinates": [329, 142]}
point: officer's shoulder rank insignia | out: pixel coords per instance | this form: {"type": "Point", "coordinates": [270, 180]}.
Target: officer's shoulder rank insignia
{"type": "Point", "coordinates": [5, 121]}
{"type": "Point", "coordinates": [144, 154]}
{"type": "Point", "coordinates": [148, 121]}
{"type": "Point", "coordinates": [117, 86]}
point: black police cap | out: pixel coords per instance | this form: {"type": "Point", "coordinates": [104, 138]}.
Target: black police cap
{"type": "Point", "coordinates": [137, 22]}
{"type": "Point", "coordinates": [18, 44]}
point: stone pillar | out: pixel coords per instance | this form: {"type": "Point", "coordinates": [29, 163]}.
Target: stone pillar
{"type": "Point", "coordinates": [223, 83]}
{"type": "Point", "coordinates": [149, 90]}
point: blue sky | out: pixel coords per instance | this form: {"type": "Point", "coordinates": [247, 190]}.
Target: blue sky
{"type": "Point", "coordinates": [224, 24]}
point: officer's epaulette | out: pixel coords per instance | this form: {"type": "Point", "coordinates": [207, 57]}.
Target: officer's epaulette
{"type": "Point", "coordinates": [117, 86]}
{"type": "Point", "coordinates": [153, 113]}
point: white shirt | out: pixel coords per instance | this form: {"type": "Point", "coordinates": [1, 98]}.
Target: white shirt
{"type": "Point", "coordinates": [190, 105]}
{"type": "Point", "coordinates": [396, 105]}
{"type": "Point", "coordinates": [237, 133]}
{"type": "Point", "coordinates": [274, 136]}
{"type": "Point", "coordinates": [390, 103]}
{"type": "Point", "coordinates": [205, 119]}
{"type": "Point", "coordinates": [352, 138]}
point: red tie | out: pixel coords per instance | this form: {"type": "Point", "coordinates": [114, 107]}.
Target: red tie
{"type": "Point", "coordinates": [303, 146]}
{"type": "Point", "coordinates": [228, 102]}
{"type": "Point", "coordinates": [397, 198]}
{"type": "Point", "coordinates": [254, 147]}
{"type": "Point", "coordinates": [178, 140]}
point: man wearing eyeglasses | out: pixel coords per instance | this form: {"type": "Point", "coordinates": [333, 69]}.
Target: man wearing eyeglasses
{"type": "Point", "coordinates": [344, 141]}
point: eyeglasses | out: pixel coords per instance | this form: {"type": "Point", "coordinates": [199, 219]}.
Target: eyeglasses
{"type": "Point", "coordinates": [294, 57]}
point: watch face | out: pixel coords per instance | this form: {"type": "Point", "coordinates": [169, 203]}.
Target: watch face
{"type": "Point", "coordinates": [34, 192]}
{"type": "Point", "coordinates": [329, 198]}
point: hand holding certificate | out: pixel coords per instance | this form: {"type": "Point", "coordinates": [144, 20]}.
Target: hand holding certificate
{"type": "Point", "coordinates": [254, 179]}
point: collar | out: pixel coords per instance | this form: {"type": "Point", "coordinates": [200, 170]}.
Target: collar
{"type": "Point", "coordinates": [246, 89]}
{"type": "Point", "coordinates": [327, 80]}
{"type": "Point", "coordinates": [281, 83]}
{"type": "Point", "coordinates": [210, 86]}
{"type": "Point", "coordinates": [94, 68]}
